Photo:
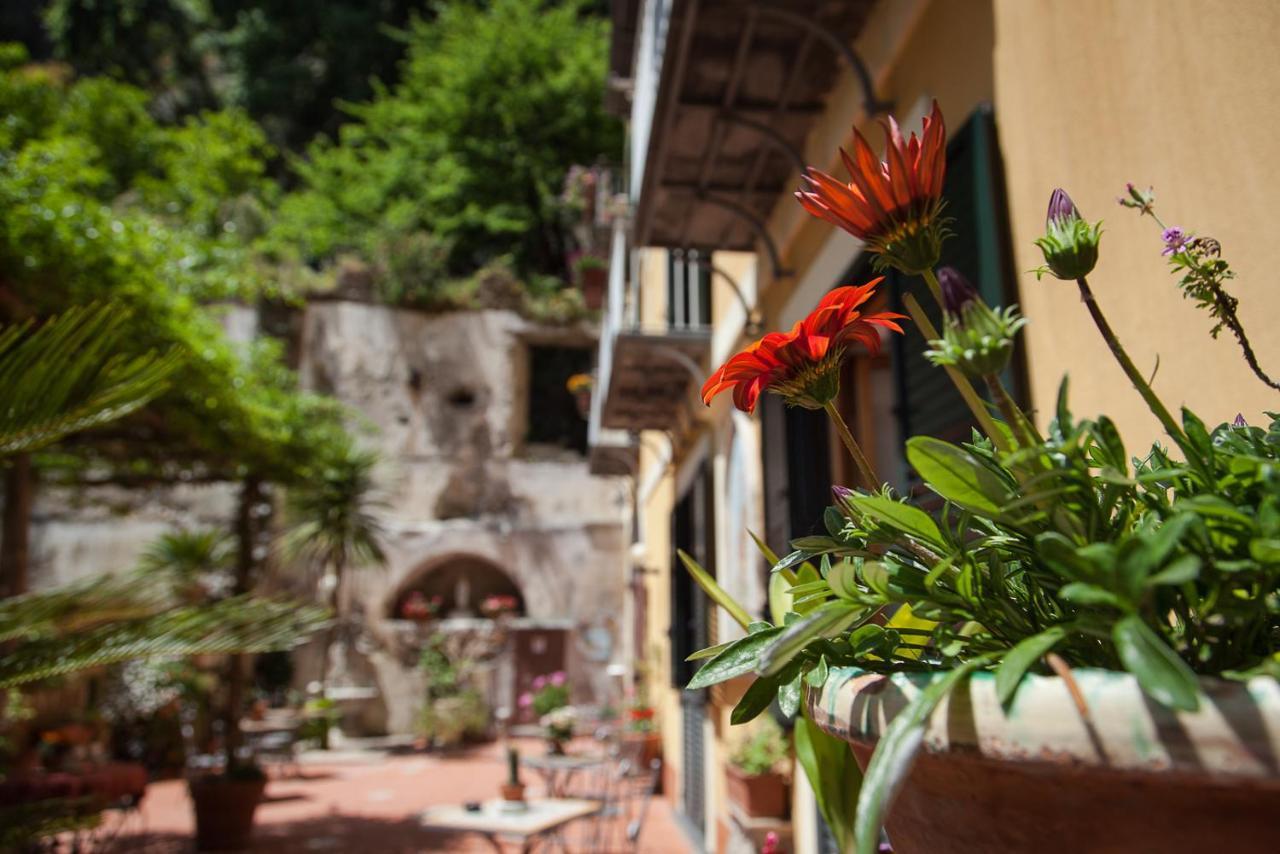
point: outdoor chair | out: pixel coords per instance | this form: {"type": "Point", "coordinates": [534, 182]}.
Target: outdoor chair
{"type": "Point", "coordinates": [624, 792]}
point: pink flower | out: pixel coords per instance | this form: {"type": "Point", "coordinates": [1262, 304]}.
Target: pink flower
{"type": "Point", "coordinates": [526, 700]}
{"type": "Point", "coordinates": [539, 682]}
{"type": "Point", "coordinates": [558, 678]}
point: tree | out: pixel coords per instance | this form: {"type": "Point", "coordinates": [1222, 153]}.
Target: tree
{"type": "Point", "coordinates": [335, 526]}
{"type": "Point", "coordinates": [495, 102]}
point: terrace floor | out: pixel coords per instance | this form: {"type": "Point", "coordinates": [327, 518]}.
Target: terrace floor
{"type": "Point", "coordinates": [364, 800]}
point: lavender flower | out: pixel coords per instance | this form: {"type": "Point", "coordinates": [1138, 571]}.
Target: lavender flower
{"type": "Point", "coordinates": [1175, 240]}
{"type": "Point", "coordinates": [1239, 420]}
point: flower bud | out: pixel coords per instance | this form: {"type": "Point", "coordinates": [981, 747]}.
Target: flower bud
{"type": "Point", "coordinates": [1239, 420]}
{"type": "Point", "coordinates": [1070, 244]}
{"type": "Point", "coordinates": [1061, 207]}
{"type": "Point", "coordinates": [978, 341]}
{"type": "Point", "coordinates": [956, 290]}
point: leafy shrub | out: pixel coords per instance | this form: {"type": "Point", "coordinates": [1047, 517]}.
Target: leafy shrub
{"type": "Point", "coordinates": [763, 751]}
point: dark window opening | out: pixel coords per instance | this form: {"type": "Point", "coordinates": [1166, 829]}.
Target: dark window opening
{"type": "Point", "coordinates": [462, 397]}
{"type": "Point", "coordinates": [554, 414]}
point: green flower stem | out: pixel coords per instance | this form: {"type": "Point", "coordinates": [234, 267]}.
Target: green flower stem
{"type": "Point", "coordinates": [1023, 429]}
{"type": "Point", "coordinates": [1153, 402]}
{"type": "Point", "coordinates": [976, 404]}
{"type": "Point", "coordinates": [935, 288]}
{"type": "Point", "coordinates": [866, 473]}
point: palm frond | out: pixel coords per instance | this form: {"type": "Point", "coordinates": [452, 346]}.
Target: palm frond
{"type": "Point", "coordinates": [242, 624]}
{"type": "Point", "coordinates": [67, 375]}
{"type": "Point", "coordinates": [335, 515]}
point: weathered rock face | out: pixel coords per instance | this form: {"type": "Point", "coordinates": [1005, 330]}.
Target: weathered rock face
{"type": "Point", "coordinates": [444, 399]}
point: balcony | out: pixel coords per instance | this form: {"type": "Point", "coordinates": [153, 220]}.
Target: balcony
{"type": "Point", "coordinates": [653, 377]}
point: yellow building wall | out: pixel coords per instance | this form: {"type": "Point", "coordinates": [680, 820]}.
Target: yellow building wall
{"type": "Point", "coordinates": [1180, 94]}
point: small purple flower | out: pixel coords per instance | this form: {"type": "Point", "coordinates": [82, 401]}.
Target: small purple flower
{"type": "Point", "coordinates": [842, 493]}
{"type": "Point", "coordinates": [1175, 240]}
{"type": "Point", "coordinates": [539, 682]}
{"type": "Point", "coordinates": [1239, 421]}
{"type": "Point", "coordinates": [558, 678]}
{"type": "Point", "coordinates": [956, 290]}
{"type": "Point", "coordinates": [1061, 207]}
{"type": "Point", "coordinates": [526, 700]}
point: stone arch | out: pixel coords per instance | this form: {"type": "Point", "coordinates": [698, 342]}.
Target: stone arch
{"type": "Point", "coordinates": [461, 580]}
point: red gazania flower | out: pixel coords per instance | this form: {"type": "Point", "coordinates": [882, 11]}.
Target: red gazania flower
{"type": "Point", "coordinates": [892, 205]}
{"type": "Point", "coordinates": [803, 365]}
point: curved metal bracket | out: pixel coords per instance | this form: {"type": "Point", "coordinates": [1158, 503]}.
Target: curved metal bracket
{"type": "Point", "coordinates": [674, 355]}
{"type": "Point", "coordinates": [753, 325]}
{"type": "Point", "coordinates": [757, 226]}
{"type": "Point", "coordinates": [871, 102]}
{"type": "Point", "coordinates": [768, 132]}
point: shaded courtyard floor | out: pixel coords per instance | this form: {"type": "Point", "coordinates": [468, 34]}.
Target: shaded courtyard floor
{"type": "Point", "coordinates": [365, 801]}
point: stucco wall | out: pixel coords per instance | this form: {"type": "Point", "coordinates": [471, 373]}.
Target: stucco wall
{"type": "Point", "coordinates": [1175, 93]}
{"type": "Point", "coordinates": [442, 398]}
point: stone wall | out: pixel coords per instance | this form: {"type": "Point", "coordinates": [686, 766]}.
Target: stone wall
{"type": "Point", "coordinates": [444, 400]}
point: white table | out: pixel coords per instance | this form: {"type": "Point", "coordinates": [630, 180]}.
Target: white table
{"type": "Point", "coordinates": [543, 816]}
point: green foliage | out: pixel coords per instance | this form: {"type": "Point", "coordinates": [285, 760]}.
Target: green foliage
{"type": "Point", "coordinates": [65, 376]}
{"type": "Point", "coordinates": [763, 751]}
{"type": "Point", "coordinates": [834, 777]}
{"type": "Point", "coordinates": [83, 220]}
{"type": "Point", "coordinates": [495, 102]}
{"type": "Point", "coordinates": [333, 511]}
{"type": "Point", "coordinates": [109, 619]}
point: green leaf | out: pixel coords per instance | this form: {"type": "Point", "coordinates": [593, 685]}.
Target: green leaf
{"type": "Point", "coordinates": [905, 618]}
{"type": "Point", "coordinates": [714, 590]}
{"type": "Point", "coordinates": [818, 674]}
{"type": "Point", "coordinates": [1179, 571]}
{"type": "Point", "coordinates": [833, 775]}
{"type": "Point", "coordinates": [1265, 550]}
{"type": "Point", "coordinates": [789, 696]}
{"type": "Point", "coordinates": [833, 521]}
{"type": "Point", "coordinates": [827, 621]}
{"type": "Point", "coordinates": [1090, 594]}
{"type": "Point", "coordinates": [905, 518]}
{"type": "Point", "coordinates": [956, 475]}
{"type": "Point", "coordinates": [1159, 671]}
{"type": "Point", "coordinates": [843, 580]}
{"type": "Point", "coordinates": [814, 545]}
{"type": "Point", "coordinates": [755, 700]}
{"type": "Point", "coordinates": [895, 753]}
{"type": "Point", "coordinates": [741, 656]}
{"type": "Point", "coordinates": [758, 626]}
{"type": "Point", "coordinates": [769, 554]}
{"type": "Point", "coordinates": [709, 652]}
{"type": "Point", "coordinates": [1017, 661]}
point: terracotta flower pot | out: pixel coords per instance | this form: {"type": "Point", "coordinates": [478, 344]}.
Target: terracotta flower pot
{"type": "Point", "coordinates": [513, 792]}
{"type": "Point", "coordinates": [644, 746]}
{"type": "Point", "coordinates": [759, 795]}
{"type": "Point", "coordinates": [593, 281]}
{"type": "Point", "coordinates": [224, 811]}
{"type": "Point", "coordinates": [1135, 776]}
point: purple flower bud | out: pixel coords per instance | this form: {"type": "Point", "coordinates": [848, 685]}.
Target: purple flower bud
{"type": "Point", "coordinates": [1239, 422]}
{"type": "Point", "coordinates": [956, 290]}
{"type": "Point", "coordinates": [842, 493]}
{"type": "Point", "coordinates": [1061, 207]}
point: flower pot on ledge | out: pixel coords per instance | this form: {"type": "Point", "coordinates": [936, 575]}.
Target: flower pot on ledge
{"type": "Point", "coordinates": [758, 795]}
{"type": "Point", "coordinates": [1135, 777]}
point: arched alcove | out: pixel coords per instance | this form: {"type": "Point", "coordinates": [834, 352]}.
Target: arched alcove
{"type": "Point", "coordinates": [457, 585]}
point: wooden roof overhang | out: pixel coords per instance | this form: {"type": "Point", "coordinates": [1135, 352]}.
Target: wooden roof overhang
{"type": "Point", "coordinates": [741, 83]}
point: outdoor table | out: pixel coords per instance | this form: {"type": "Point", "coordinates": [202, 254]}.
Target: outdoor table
{"type": "Point", "coordinates": [557, 771]}
{"type": "Point", "coordinates": [543, 816]}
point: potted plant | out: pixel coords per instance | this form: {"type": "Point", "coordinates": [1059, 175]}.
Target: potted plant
{"type": "Point", "coordinates": [513, 789]}
{"type": "Point", "coordinates": [416, 606]}
{"type": "Point", "coordinates": [580, 386]}
{"type": "Point", "coordinates": [1077, 631]}
{"type": "Point", "coordinates": [547, 696]}
{"type": "Point", "coordinates": [225, 804]}
{"type": "Point", "coordinates": [756, 773]}
{"type": "Point", "coordinates": [592, 274]}
{"type": "Point", "coordinates": [642, 738]}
